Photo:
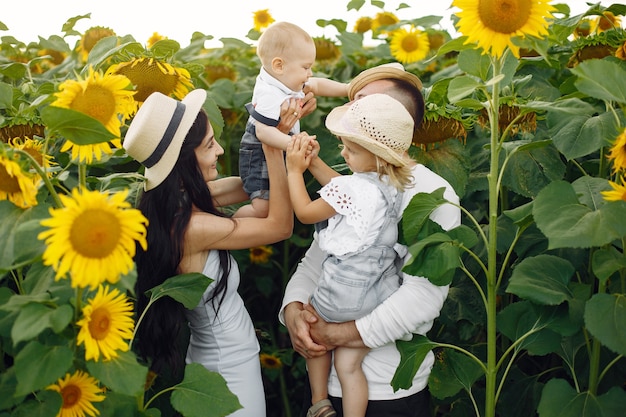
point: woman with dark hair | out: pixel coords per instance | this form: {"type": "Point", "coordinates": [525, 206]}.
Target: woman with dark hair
{"type": "Point", "coordinates": [187, 233]}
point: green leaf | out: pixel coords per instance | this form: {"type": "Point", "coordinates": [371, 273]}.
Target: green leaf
{"type": "Point", "coordinates": [187, 289]}
{"type": "Point", "coordinates": [434, 257]}
{"type": "Point", "coordinates": [6, 95]}
{"type": "Point", "coordinates": [609, 87]}
{"type": "Point", "coordinates": [31, 321]}
{"type": "Point", "coordinates": [419, 209]}
{"type": "Point", "coordinates": [606, 261]}
{"type": "Point", "coordinates": [122, 374]}
{"type": "Point", "coordinates": [412, 354]}
{"type": "Point", "coordinates": [37, 366]}
{"type": "Point", "coordinates": [569, 224]}
{"type": "Point", "coordinates": [47, 403]}
{"type": "Point", "coordinates": [461, 87]}
{"type": "Point", "coordinates": [521, 323]}
{"type": "Point", "coordinates": [203, 394]}
{"type": "Point", "coordinates": [605, 318]}
{"type": "Point", "coordinates": [474, 62]}
{"type": "Point", "coordinates": [75, 126]}
{"type": "Point", "coordinates": [559, 399]}
{"type": "Point", "coordinates": [452, 372]}
{"type": "Point", "coordinates": [542, 279]}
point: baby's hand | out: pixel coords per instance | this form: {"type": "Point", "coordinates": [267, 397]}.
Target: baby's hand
{"type": "Point", "coordinates": [297, 159]}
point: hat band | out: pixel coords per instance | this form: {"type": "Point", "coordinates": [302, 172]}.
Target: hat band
{"type": "Point", "coordinates": [166, 140]}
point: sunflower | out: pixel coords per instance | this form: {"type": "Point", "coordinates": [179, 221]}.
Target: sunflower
{"type": "Point", "coordinates": [606, 21]}
{"type": "Point", "coordinates": [93, 237]}
{"type": "Point", "coordinates": [150, 75]}
{"type": "Point", "coordinates": [363, 24]}
{"type": "Point", "coordinates": [438, 129]}
{"type": "Point", "coordinates": [621, 52]}
{"type": "Point", "coordinates": [90, 38]}
{"type": "Point", "coordinates": [107, 321]}
{"type": "Point", "coordinates": [409, 45]}
{"type": "Point", "coordinates": [493, 23]}
{"type": "Point", "coordinates": [106, 98]}
{"type": "Point", "coordinates": [383, 19]}
{"type": "Point", "coordinates": [17, 186]}
{"type": "Point", "coordinates": [78, 391]}
{"type": "Point", "coordinates": [325, 50]}
{"type": "Point", "coordinates": [154, 39]}
{"type": "Point", "coordinates": [617, 194]}
{"type": "Point", "coordinates": [261, 254]}
{"type": "Point", "coordinates": [217, 69]}
{"type": "Point", "coordinates": [262, 19]}
{"type": "Point", "coordinates": [617, 153]}
{"type": "Point", "coordinates": [269, 361]}
{"type": "Point", "coordinates": [34, 148]}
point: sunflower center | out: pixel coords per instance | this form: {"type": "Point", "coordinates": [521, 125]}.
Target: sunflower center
{"type": "Point", "coordinates": [504, 16]}
{"type": "Point", "coordinates": [71, 395]}
{"type": "Point", "coordinates": [97, 102]}
{"type": "Point", "coordinates": [149, 77]}
{"type": "Point", "coordinates": [95, 233]}
{"type": "Point", "coordinates": [100, 323]}
{"type": "Point", "coordinates": [410, 43]}
{"type": "Point", "coordinates": [8, 184]}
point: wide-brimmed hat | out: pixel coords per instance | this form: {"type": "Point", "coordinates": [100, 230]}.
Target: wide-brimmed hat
{"type": "Point", "coordinates": [377, 122]}
{"type": "Point", "coordinates": [157, 132]}
{"type": "Point", "coordinates": [393, 70]}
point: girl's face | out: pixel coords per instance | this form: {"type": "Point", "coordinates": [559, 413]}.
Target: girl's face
{"type": "Point", "coordinates": [207, 154]}
{"type": "Point", "coordinates": [357, 157]}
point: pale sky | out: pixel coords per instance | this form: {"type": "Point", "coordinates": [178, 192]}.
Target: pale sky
{"type": "Point", "coordinates": [178, 19]}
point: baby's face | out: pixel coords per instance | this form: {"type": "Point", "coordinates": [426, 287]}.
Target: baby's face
{"type": "Point", "coordinates": [297, 67]}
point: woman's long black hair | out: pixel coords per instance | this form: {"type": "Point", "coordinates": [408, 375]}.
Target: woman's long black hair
{"type": "Point", "coordinates": [168, 210]}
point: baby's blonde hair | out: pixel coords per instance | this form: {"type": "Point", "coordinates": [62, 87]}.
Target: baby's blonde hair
{"type": "Point", "coordinates": [279, 39]}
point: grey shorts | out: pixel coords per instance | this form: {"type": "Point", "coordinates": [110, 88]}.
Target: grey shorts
{"type": "Point", "coordinates": [253, 166]}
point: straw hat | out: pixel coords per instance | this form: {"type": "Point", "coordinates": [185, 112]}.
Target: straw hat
{"type": "Point", "coordinates": [377, 122]}
{"type": "Point", "coordinates": [393, 70]}
{"type": "Point", "coordinates": [157, 132]}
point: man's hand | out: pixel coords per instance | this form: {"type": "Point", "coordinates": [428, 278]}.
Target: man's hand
{"type": "Point", "coordinates": [298, 322]}
{"type": "Point", "coordinates": [294, 109]}
{"type": "Point", "coordinates": [332, 335]}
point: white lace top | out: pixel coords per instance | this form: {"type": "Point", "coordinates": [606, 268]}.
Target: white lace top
{"type": "Point", "coordinates": [360, 212]}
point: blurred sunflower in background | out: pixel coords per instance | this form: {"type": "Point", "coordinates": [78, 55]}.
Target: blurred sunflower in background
{"type": "Point", "coordinates": [92, 237]}
{"type": "Point", "coordinates": [363, 24]}
{"type": "Point", "coordinates": [16, 185]}
{"type": "Point", "coordinates": [618, 192]}
{"type": "Point", "coordinates": [90, 38]}
{"type": "Point", "coordinates": [261, 254]}
{"type": "Point", "coordinates": [262, 19]}
{"type": "Point", "coordinates": [617, 153]}
{"type": "Point", "coordinates": [36, 150]}
{"type": "Point", "coordinates": [107, 322]}
{"type": "Point", "coordinates": [149, 75]}
{"type": "Point", "coordinates": [79, 391]}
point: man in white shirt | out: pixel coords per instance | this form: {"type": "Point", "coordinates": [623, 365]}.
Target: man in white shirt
{"type": "Point", "coordinates": [411, 309]}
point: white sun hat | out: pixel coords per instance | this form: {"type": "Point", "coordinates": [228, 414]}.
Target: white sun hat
{"type": "Point", "coordinates": [157, 132]}
{"type": "Point", "coordinates": [377, 122]}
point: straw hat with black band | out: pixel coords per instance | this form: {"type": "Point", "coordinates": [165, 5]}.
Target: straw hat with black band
{"type": "Point", "coordinates": [158, 130]}
{"type": "Point", "coordinates": [377, 122]}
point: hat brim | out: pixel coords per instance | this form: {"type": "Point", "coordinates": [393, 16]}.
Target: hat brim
{"type": "Point", "coordinates": [382, 72]}
{"type": "Point", "coordinates": [336, 126]}
{"type": "Point", "coordinates": [156, 174]}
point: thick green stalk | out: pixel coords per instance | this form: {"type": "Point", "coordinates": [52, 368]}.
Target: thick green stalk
{"type": "Point", "coordinates": [492, 287]}
{"type": "Point", "coordinates": [594, 360]}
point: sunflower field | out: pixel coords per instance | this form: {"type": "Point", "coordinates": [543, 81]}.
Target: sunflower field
{"type": "Point", "coordinates": [525, 117]}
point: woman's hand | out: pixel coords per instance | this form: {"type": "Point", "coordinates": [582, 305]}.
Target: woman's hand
{"type": "Point", "coordinates": [293, 109]}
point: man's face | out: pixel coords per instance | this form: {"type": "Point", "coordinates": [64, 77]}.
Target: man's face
{"type": "Point", "coordinates": [375, 87]}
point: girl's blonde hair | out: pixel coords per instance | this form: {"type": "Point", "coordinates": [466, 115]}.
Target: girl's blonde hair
{"type": "Point", "coordinates": [399, 177]}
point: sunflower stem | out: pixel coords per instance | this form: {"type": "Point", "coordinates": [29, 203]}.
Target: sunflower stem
{"type": "Point", "coordinates": [43, 175]}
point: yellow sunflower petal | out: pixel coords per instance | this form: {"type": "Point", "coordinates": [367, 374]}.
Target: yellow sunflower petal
{"type": "Point", "coordinates": [409, 45]}
{"type": "Point", "coordinates": [79, 391]}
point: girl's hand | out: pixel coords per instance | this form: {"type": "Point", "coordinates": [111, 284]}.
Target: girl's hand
{"type": "Point", "coordinates": [298, 153]}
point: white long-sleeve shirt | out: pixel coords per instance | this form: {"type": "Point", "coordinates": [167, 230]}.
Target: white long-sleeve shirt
{"type": "Point", "coordinates": [411, 309]}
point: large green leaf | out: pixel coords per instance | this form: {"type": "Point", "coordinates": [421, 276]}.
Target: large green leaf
{"type": "Point", "coordinates": [609, 87]}
{"type": "Point", "coordinates": [559, 399]}
{"type": "Point", "coordinates": [420, 208]}
{"type": "Point", "coordinates": [187, 289]}
{"type": "Point", "coordinates": [37, 366]}
{"type": "Point", "coordinates": [453, 371]}
{"type": "Point", "coordinates": [542, 279]}
{"type": "Point", "coordinates": [607, 261]}
{"type": "Point", "coordinates": [569, 224]}
{"type": "Point", "coordinates": [203, 394]}
{"type": "Point", "coordinates": [75, 126]}
{"type": "Point", "coordinates": [35, 318]}
{"type": "Point", "coordinates": [605, 318]}
{"type": "Point", "coordinates": [122, 374]}
{"type": "Point", "coordinates": [412, 354]}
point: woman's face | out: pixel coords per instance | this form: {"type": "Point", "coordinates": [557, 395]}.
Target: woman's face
{"type": "Point", "coordinates": [207, 154]}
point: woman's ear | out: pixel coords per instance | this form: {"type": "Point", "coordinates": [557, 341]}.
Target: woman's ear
{"type": "Point", "coordinates": [277, 65]}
